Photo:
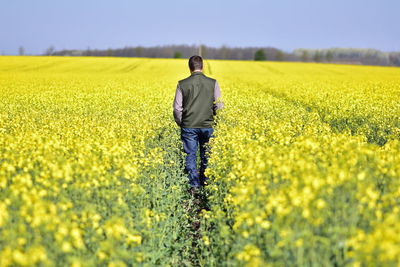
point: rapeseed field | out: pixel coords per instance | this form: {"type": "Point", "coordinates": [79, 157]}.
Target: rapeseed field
{"type": "Point", "coordinates": [304, 167]}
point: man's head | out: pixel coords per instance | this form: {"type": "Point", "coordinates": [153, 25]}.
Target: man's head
{"type": "Point", "coordinates": [195, 63]}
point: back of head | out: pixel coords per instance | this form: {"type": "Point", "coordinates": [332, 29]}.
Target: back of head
{"type": "Point", "coordinates": [195, 63]}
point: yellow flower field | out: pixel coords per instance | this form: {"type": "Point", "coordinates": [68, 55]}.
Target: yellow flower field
{"type": "Point", "coordinates": [304, 168]}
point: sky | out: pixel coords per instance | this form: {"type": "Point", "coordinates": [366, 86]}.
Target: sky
{"type": "Point", "coordinates": [285, 24]}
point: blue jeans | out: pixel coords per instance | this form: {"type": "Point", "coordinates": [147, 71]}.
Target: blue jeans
{"type": "Point", "coordinates": [191, 139]}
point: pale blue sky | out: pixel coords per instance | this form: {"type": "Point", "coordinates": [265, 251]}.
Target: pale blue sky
{"type": "Point", "coordinates": [73, 24]}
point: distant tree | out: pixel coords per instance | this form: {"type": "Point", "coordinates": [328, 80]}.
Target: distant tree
{"type": "Point", "coordinates": [88, 51]}
{"type": "Point", "coordinates": [49, 51]}
{"type": "Point", "coordinates": [224, 52]}
{"type": "Point", "coordinates": [109, 52]}
{"type": "Point", "coordinates": [317, 56]}
{"type": "Point", "coordinates": [139, 51]}
{"type": "Point", "coordinates": [394, 58]}
{"type": "Point", "coordinates": [279, 55]}
{"type": "Point", "coordinates": [304, 56]}
{"type": "Point", "coordinates": [177, 54]}
{"type": "Point", "coordinates": [259, 55]}
{"type": "Point", "coordinates": [21, 51]}
{"type": "Point", "coordinates": [329, 56]}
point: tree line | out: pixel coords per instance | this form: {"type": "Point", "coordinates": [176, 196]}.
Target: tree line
{"type": "Point", "coordinates": [333, 55]}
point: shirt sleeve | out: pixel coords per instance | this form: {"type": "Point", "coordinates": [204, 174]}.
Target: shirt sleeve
{"type": "Point", "coordinates": [218, 104]}
{"type": "Point", "coordinates": [177, 106]}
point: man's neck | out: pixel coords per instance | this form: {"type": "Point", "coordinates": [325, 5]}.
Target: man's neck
{"type": "Point", "coordinates": [197, 71]}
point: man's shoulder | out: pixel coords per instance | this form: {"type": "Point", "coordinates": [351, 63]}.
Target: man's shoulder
{"type": "Point", "coordinates": [209, 78]}
{"type": "Point", "coordinates": [184, 80]}
{"type": "Point", "coordinates": [191, 77]}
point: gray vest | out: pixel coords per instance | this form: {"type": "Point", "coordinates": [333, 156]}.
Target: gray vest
{"type": "Point", "coordinates": [198, 101]}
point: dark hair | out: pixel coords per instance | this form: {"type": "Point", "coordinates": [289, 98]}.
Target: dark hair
{"type": "Point", "coordinates": [195, 63]}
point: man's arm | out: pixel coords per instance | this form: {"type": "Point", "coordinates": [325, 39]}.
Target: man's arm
{"type": "Point", "coordinates": [218, 104]}
{"type": "Point", "coordinates": [178, 106]}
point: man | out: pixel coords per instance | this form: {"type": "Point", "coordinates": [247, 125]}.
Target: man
{"type": "Point", "coordinates": [197, 99]}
